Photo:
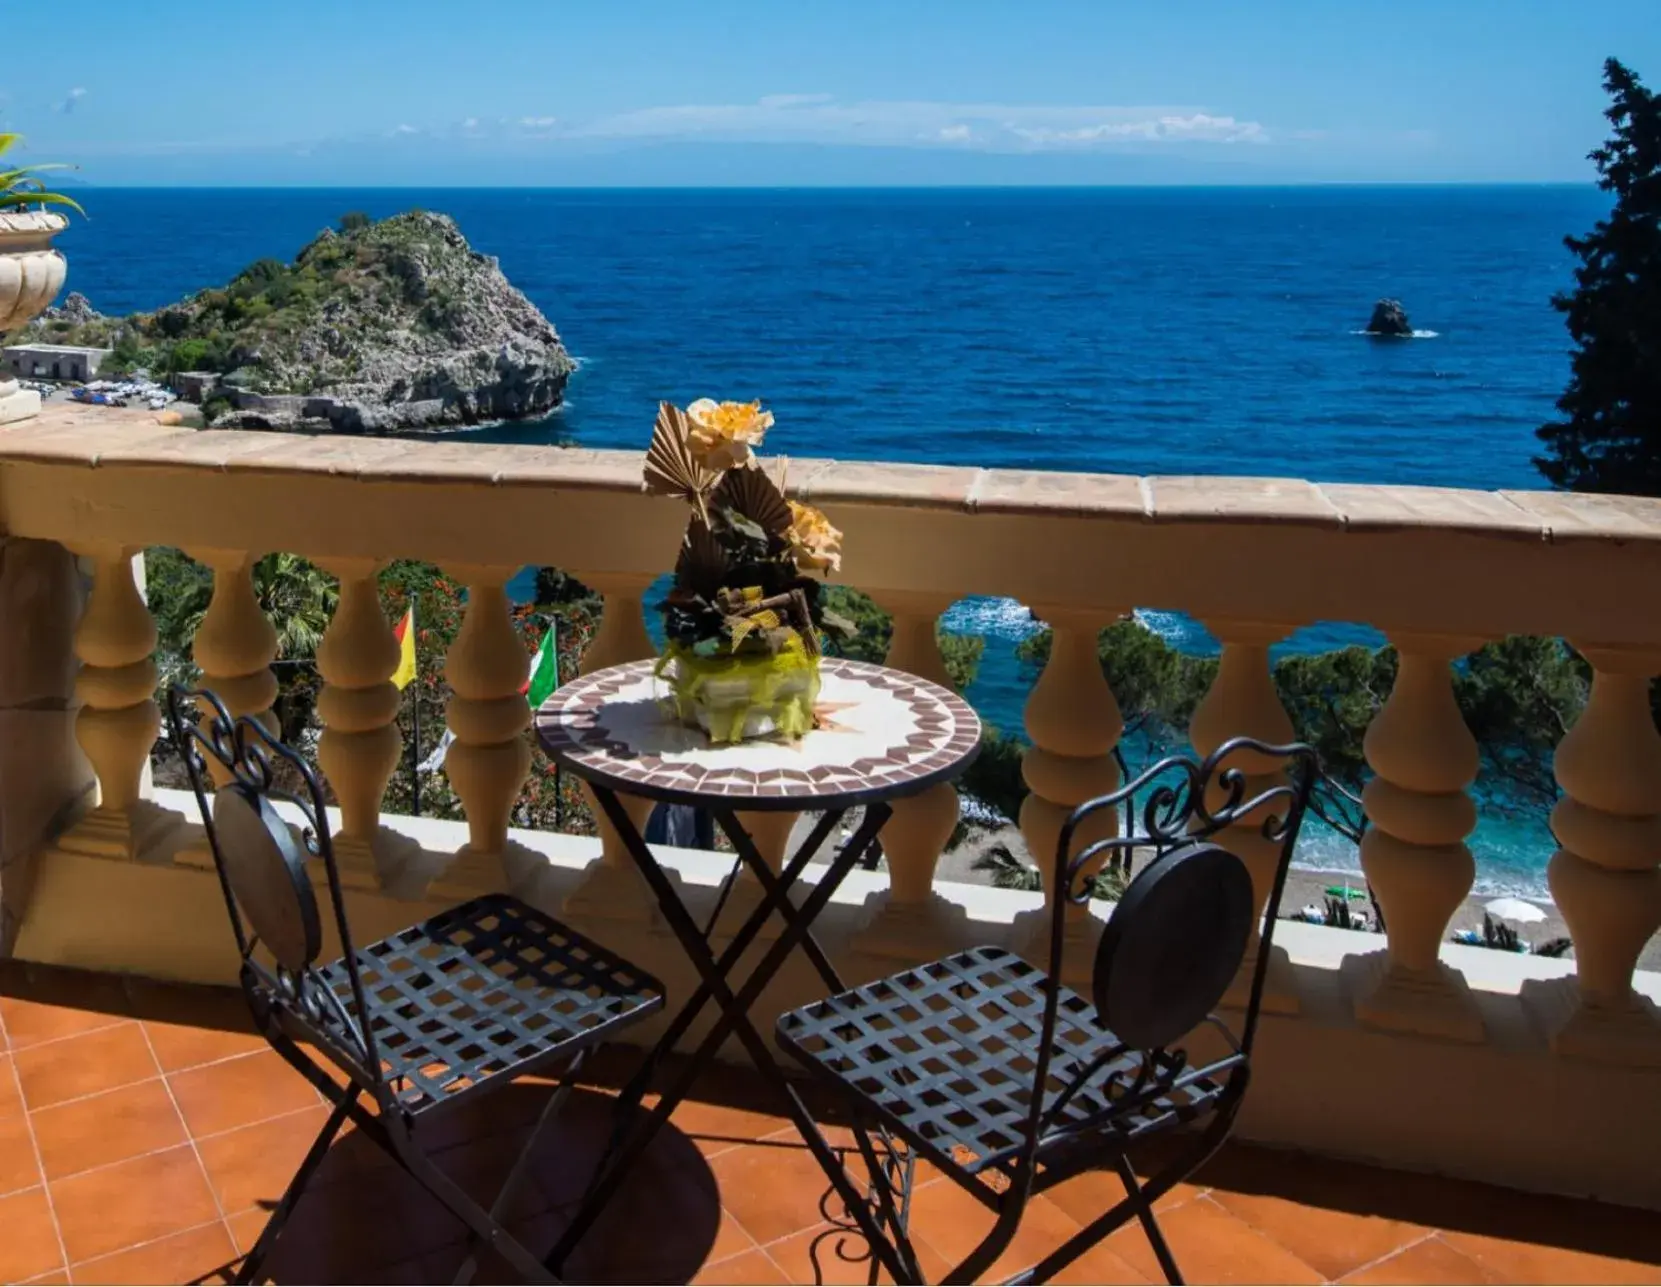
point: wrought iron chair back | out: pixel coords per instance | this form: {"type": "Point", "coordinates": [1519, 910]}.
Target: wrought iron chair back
{"type": "Point", "coordinates": [263, 872]}
{"type": "Point", "coordinates": [1172, 948]}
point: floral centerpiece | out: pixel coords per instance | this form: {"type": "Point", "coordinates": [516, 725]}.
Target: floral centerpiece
{"type": "Point", "coordinates": [744, 616]}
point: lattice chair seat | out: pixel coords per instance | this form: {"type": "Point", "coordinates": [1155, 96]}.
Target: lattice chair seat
{"type": "Point", "coordinates": [945, 1054]}
{"type": "Point", "coordinates": [490, 988]}
{"type": "Point", "coordinates": [1010, 1082]}
{"type": "Point", "coordinates": [456, 1006]}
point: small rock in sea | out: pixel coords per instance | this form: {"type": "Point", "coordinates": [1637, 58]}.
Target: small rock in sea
{"type": "Point", "coordinates": [1389, 318]}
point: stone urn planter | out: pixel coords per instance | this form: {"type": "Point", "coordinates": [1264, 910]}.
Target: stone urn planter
{"type": "Point", "coordinates": [31, 275]}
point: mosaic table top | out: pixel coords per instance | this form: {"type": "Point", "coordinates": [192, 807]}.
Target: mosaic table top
{"type": "Point", "coordinates": [881, 733]}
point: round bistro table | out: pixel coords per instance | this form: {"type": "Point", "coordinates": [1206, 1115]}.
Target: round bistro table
{"type": "Point", "coordinates": [880, 735]}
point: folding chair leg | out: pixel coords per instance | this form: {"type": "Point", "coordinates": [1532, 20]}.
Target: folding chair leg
{"type": "Point", "coordinates": [254, 1261]}
{"type": "Point", "coordinates": [521, 1166]}
{"type": "Point", "coordinates": [1150, 1226]}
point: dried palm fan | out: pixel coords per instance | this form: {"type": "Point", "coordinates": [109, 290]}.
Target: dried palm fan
{"type": "Point", "coordinates": [751, 493]}
{"type": "Point", "coordinates": [671, 468]}
{"type": "Point", "coordinates": [702, 564]}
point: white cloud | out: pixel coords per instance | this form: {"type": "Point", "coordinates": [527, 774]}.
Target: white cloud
{"type": "Point", "coordinates": [988, 126]}
{"type": "Point", "coordinates": [1199, 127]}
{"type": "Point", "coordinates": [71, 99]}
{"type": "Point", "coordinates": [401, 130]}
{"type": "Point", "coordinates": [539, 122]}
{"type": "Point", "coordinates": [795, 100]}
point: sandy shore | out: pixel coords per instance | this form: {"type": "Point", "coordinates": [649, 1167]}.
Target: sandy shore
{"type": "Point", "coordinates": [1304, 888]}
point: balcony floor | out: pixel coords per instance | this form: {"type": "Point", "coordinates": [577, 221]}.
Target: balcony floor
{"type": "Point", "coordinates": [143, 1129]}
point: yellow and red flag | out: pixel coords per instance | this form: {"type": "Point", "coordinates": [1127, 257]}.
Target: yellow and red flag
{"type": "Point", "coordinates": [404, 632]}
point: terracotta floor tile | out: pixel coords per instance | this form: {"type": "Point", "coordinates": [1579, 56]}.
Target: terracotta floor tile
{"type": "Point", "coordinates": [116, 1207]}
{"type": "Point", "coordinates": [747, 1268]}
{"type": "Point", "coordinates": [830, 1254]}
{"type": "Point", "coordinates": [11, 1099]}
{"type": "Point", "coordinates": [952, 1223]}
{"type": "Point", "coordinates": [1210, 1245]}
{"type": "Point", "coordinates": [537, 1235]}
{"type": "Point", "coordinates": [254, 1164]}
{"type": "Point", "coordinates": [203, 1255]}
{"type": "Point", "coordinates": [1429, 1261]}
{"type": "Point", "coordinates": [245, 1227]}
{"type": "Point", "coordinates": [106, 1128]}
{"type": "Point", "coordinates": [1526, 1262]}
{"type": "Point", "coordinates": [84, 1065]}
{"type": "Point", "coordinates": [48, 1280]}
{"type": "Point", "coordinates": [1534, 1219]}
{"type": "Point", "coordinates": [18, 1168]}
{"type": "Point", "coordinates": [239, 1092]}
{"type": "Point", "coordinates": [335, 1235]}
{"type": "Point", "coordinates": [479, 1169]}
{"type": "Point", "coordinates": [29, 1243]}
{"type": "Point", "coordinates": [179, 1046]}
{"type": "Point", "coordinates": [683, 1209]}
{"type": "Point", "coordinates": [1093, 1194]}
{"type": "Point", "coordinates": [773, 1189]}
{"type": "Point", "coordinates": [1331, 1242]}
{"type": "Point", "coordinates": [715, 1128]}
{"type": "Point", "coordinates": [566, 1155]}
{"type": "Point", "coordinates": [29, 1022]}
{"type": "Point", "coordinates": [415, 1271]}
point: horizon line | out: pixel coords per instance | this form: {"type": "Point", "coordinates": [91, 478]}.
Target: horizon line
{"type": "Point", "coordinates": [828, 187]}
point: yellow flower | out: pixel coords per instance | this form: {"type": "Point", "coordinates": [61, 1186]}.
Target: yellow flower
{"type": "Point", "coordinates": [724, 433]}
{"type": "Point", "coordinates": [814, 543]}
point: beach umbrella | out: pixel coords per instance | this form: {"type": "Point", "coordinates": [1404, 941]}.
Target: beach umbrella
{"type": "Point", "coordinates": [1347, 892]}
{"type": "Point", "coordinates": [1514, 909]}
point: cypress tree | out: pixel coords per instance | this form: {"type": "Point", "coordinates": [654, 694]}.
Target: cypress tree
{"type": "Point", "coordinates": [1611, 438]}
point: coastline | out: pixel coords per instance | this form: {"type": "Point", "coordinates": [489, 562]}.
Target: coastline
{"type": "Point", "coordinates": [1306, 886]}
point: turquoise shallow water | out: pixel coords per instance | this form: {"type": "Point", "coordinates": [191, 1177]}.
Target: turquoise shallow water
{"type": "Point", "coordinates": [1128, 330]}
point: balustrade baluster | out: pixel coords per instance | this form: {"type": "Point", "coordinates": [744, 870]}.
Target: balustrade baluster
{"type": "Point", "coordinates": [611, 888]}
{"type": "Point", "coordinates": [358, 707]}
{"type": "Point", "coordinates": [489, 760]}
{"type": "Point", "coordinates": [909, 921]}
{"type": "Point", "coordinates": [1242, 702]}
{"type": "Point", "coordinates": [1074, 723]}
{"type": "Point", "coordinates": [1414, 852]}
{"type": "Point", "coordinates": [234, 647]}
{"type": "Point", "coordinates": [1606, 874]}
{"type": "Point", "coordinates": [119, 719]}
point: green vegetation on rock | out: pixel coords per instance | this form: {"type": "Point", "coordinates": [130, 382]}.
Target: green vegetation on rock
{"type": "Point", "coordinates": [400, 321]}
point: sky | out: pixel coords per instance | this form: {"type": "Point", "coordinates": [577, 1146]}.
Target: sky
{"type": "Point", "coordinates": [345, 93]}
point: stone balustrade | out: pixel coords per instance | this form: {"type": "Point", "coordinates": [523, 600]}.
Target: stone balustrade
{"type": "Point", "coordinates": [1438, 570]}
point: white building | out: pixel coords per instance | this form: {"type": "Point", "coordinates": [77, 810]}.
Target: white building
{"type": "Point", "coordinates": [53, 361]}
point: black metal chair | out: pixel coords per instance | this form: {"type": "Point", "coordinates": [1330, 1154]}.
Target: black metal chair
{"type": "Point", "coordinates": [419, 1022]}
{"type": "Point", "coordinates": [1010, 1082]}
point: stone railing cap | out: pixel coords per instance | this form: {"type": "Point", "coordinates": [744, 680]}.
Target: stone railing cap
{"type": "Point", "coordinates": [102, 437]}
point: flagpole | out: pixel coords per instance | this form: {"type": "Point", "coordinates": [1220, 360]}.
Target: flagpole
{"type": "Point", "coordinates": [415, 747]}
{"type": "Point", "coordinates": [559, 795]}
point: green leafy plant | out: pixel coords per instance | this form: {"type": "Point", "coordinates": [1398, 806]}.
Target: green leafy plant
{"type": "Point", "coordinates": [22, 188]}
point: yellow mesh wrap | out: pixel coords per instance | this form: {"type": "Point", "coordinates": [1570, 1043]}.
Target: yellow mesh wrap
{"type": "Point", "coordinates": [687, 675]}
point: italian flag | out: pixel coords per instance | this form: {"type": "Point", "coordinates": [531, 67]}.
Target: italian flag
{"type": "Point", "coordinates": [544, 667]}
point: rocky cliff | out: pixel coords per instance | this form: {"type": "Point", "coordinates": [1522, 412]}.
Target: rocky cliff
{"type": "Point", "coordinates": [381, 326]}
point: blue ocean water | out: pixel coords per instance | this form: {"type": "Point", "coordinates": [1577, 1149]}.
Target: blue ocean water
{"type": "Point", "coordinates": [1137, 330]}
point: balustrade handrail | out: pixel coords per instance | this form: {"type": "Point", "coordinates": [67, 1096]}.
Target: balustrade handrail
{"type": "Point", "coordinates": [1465, 564]}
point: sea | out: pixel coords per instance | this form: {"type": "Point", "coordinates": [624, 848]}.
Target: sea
{"type": "Point", "coordinates": [1132, 330]}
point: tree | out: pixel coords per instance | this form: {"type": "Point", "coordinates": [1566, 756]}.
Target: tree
{"type": "Point", "coordinates": [874, 628]}
{"type": "Point", "coordinates": [296, 596]}
{"type": "Point", "coordinates": [1611, 439]}
{"type": "Point", "coordinates": [1517, 695]}
{"type": "Point", "coordinates": [354, 221]}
